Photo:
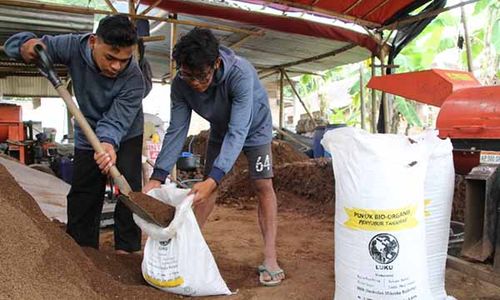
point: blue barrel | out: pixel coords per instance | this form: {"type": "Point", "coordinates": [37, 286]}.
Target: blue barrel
{"type": "Point", "coordinates": [66, 169]}
{"type": "Point", "coordinates": [318, 150]}
{"type": "Point", "coordinates": [319, 132]}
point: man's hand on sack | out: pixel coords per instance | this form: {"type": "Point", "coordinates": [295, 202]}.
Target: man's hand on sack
{"type": "Point", "coordinates": [203, 190]}
{"type": "Point", "coordinates": [105, 160]}
{"type": "Point", "coordinates": [152, 184]}
{"type": "Point", "coordinates": [27, 50]}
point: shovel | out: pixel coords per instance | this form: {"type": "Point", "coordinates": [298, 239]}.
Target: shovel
{"type": "Point", "coordinates": [132, 200]}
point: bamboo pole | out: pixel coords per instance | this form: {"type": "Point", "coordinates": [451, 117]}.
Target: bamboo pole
{"type": "Point", "coordinates": [375, 8]}
{"type": "Point", "coordinates": [374, 99]}
{"type": "Point", "coordinates": [149, 8]}
{"type": "Point", "coordinates": [131, 7]}
{"type": "Point", "coordinates": [311, 59]}
{"type": "Point", "coordinates": [413, 19]}
{"type": "Point", "coordinates": [282, 104]}
{"type": "Point", "coordinates": [110, 5]}
{"type": "Point", "coordinates": [330, 13]}
{"type": "Point", "coordinates": [467, 40]}
{"type": "Point", "coordinates": [291, 137]}
{"type": "Point", "coordinates": [155, 38]}
{"type": "Point", "coordinates": [300, 99]}
{"type": "Point", "coordinates": [384, 98]}
{"type": "Point", "coordinates": [237, 44]}
{"type": "Point", "coordinates": [362, 96]}
{"type": "Point", "coordinates": [173, 69]}
{"type": "Point", "coordinates": [91, 11]}
{"type": "Point", "coordinates": [346, 11]}
{"type": "Point", "coordinates": [268, 75]}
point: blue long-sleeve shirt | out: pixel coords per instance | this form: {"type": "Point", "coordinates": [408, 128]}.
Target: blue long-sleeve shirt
{"type": "Point", "coordinates": [235, 104]}
{"type": "Point", "coordinates": [112, 106]}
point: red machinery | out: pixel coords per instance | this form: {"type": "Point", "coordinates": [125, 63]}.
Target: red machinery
{"type": "Point", "coordinates": [12, 130]}
{"type": "Point", "coordinates": [470, 117]}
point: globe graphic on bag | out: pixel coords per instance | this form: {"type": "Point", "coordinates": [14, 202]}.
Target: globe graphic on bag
{"type": "Point", "coordinates": [383, 248]}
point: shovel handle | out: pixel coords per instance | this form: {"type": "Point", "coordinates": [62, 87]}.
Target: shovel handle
{"type": "Point", "coordinates": [45, 67]}
{"type": "Point", "coordinates": [92, 138]}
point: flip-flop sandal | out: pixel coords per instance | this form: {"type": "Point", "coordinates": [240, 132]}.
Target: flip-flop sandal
{"type": "Point", "coordinates": [274, 280]}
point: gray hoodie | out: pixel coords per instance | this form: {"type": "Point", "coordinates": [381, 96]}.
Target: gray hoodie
{"type": "Point", "coordinates": [235, 104]}
{"type": "Point", "coordinates": [112, 106]}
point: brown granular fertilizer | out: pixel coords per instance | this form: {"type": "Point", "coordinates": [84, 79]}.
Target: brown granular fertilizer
{"type": "Point", "coordinates": [40, 261]}
{"type": "Point", "coordinates": [161, 212]}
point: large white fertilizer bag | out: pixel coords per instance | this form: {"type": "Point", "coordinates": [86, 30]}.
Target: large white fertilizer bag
{"type": "Point", "coordinates": [379, 215]}
{"type": "Point", "coordinates": [177, 258]}
{"type": "Point", "coordinates": [438, 195]}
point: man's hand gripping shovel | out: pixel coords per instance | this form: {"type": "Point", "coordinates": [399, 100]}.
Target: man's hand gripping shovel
{"type": "Point", "coordinates": [129, 198]}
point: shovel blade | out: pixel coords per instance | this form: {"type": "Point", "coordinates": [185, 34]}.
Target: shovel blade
{"type": "Point", "coordinates": [136, 209]}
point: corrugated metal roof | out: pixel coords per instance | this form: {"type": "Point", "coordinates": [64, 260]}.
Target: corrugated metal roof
{"type": "Point", "coordinates": [17, 78]}
{"type": "Point", "coordinates": [272, 49]}
{"type": "Point", "coordinates": [15, 19]}
{"type": "Point", "coordinates": [15, 86]}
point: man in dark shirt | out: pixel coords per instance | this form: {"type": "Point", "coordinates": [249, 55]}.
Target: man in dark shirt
{"type": "Point", "coordinates": [109, 89]}
{"type": "Point", "coordinates": [225, 90]}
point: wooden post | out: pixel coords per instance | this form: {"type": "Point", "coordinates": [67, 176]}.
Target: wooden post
{"type": "Point", "coordinates": [173, 69]}
{"type": "Point", "coordinates": [131, 7]}
{"type": "Point", "coordinates": [300, 99]}
{"type": "Point", "coordinates": [374, 100]}
{"type": "Point", "coordinates": [384, 98]}
{"type": "Point", "coordinates": [466, 40]}
{"type": "Point", "coordinates": [282, 104]}
{"type": "Point", "coordinates": [362, 96]}
{"type": "Point", "coordinates": [173, 40]}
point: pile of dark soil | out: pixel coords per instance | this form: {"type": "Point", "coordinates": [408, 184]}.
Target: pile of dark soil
{"type": "Point", "coordinates": [309, 182]}
{"type": "Point", "coordinates": [283, 152]}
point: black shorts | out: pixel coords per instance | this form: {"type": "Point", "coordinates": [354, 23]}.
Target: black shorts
{"type": "Point", "coordinates": [260, 160]}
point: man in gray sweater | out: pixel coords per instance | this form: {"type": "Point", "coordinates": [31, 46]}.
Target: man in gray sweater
{"type": "Point", "coordinates": [109, 89]}
{"type": "Point", "coordinates": [225, 90]}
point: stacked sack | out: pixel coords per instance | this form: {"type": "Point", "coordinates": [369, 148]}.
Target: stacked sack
{"type": "Point", "coordinates": [381, 237]}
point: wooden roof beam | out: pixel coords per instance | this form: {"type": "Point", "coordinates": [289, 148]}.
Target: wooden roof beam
{"type": "Point", "coordinates": [149, 8]}
{"type": "Point", "coordinates": [311, 59]}
{"type": "Point", "coordinates": [237, 44]}
{"type": "Point", "coordinates": [376, 8]}
{"type": "Point", "coordinates": [110, 5]}
{"type": "Point", "coordinates": [348, 10]}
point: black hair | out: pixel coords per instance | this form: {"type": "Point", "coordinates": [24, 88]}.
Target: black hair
{"type": "Point", "coordinates": [117, 31]}
{"type": "Point", "coordinates": [197, 49]}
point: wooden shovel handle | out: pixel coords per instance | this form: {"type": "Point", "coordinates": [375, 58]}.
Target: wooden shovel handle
{"type": "Point", "coordinates": [118, 178]}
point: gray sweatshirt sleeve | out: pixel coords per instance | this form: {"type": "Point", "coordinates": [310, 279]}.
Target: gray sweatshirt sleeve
{"type": "Point", "coordinates": [180, 117]}
{"type": "Point", "coordinates": [241, 90]}
{"type": "Point", "coordinates": [116, 122]}
{"type": "Point", "coordinates": [60, 48]}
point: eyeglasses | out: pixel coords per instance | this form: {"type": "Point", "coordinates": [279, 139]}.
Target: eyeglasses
{"type": "Point", "coordinates": [201, 77]}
